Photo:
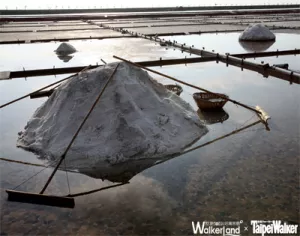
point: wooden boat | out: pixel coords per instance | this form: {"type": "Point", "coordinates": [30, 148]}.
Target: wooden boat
{"type": "Point", "coordinates": [209, 101]}
{"type": "Point", "coordinates": [175, 88]}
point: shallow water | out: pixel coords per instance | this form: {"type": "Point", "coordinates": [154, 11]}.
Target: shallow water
{"type": "Point", "coordinates": [251, 175]}
{"type": "Point", "coordinates": [42, 55]}
{"type": "Point", "coordinates": [229, 43]}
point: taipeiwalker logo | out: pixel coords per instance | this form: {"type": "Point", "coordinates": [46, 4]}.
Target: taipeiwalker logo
{"type": "Point", "coordinates": [273, 227]}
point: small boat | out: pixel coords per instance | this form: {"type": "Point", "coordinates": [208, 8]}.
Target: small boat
{"type": "Point", "coordinates": [209, 101]}
{"type": "Point", "coordinates": [177, 89]}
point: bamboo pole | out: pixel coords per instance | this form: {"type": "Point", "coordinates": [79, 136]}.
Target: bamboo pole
{"type": "Point", "coordinates": [67, 70]}
{"type": "Point", "coordinates": [63, 156]}
{"type": "Point", "coordinates": [207, 143]}
{"type": "Point", "coordinates": [222, 137]}
{"type": "Point", "coordinates": [32, 164]}
{"type": "Point", "coordinates": [95, 190]}
{"type": "Point", "coordinates": [190, 85]}
{"type": "Point", "coordinates": [212, 141]}
{"type": "Point", "coordinates": [29, 94]}
{"type": "Point", "coordinates": [21, 162]}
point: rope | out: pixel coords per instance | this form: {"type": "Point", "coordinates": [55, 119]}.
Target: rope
{"type": "Point", "coordinates": [33, 175]}
{"type": "Point", "coordinates": [29, 178]}
{"type": "Point", "coordinates": [67, 176]}
{"type": "Point", "coordinates": [247, 121]}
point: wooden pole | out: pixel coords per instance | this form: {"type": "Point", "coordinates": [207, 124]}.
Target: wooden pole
{"type": "Point", "coordinates": [96, 190]}
{"type": "Point", "coordinates": [68, 70]}
{"type": "Point", "coordinates": [78, 130]}
{"type": "Point", "coordinates": [239, 62]}
{"type": "Point", "coordinates": [32, 164]}
{"type": "Point", "coordinates": [265, 70]}
{"type": "Point", "coordinates": [190, 85]}
{"type": "Point", "coordinates": [22, 162]}
{"type": "Point", "coordinates": [29, 94]}
{"type": "Point", "coordinates": [222, 137]}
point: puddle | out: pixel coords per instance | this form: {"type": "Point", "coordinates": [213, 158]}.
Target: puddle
{"type": "Point", "coordinates": [251, 175]}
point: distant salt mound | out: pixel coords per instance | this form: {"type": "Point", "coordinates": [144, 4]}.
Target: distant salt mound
{"type": "Point", "coordinates": [65, 49]}
{"type": "Point", "coordinates": [136, 118]}
{"type": "Point", "coordinates": [257, 32]}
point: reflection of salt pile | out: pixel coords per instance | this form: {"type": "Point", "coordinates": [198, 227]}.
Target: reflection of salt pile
{"type": "Point", "coordinates": [256, 46]}
{"type": "Point", "coordinates": [65, 58]}
{"type": "Point", "coordinates": [65, 49]}
{"type": "Point", "coordinates": [257, 32]}
{"type": "Point", "coordinates": [135, 118]}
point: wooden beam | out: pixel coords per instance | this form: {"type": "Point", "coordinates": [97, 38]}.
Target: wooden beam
{"type": "Point", "coordinates": [194, 32]}
{"type": "Point", "coordinates": [267, 54]}
{"type": "Point", "coordinates": [40, 199]}
{"type": "Point", "coordinates": [265, 70]}
{"type": "Point", "coordinates": [70, 70]}
{"type": "Point", "coordinates": [40, 94]}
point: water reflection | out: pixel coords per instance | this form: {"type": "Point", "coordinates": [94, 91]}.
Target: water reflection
{"type": "Point", "coordinates": [256, 46]}
{"type": "Point", "coordinates": [65, 58]}
{"type": "Point", "coordinates": [213, 117]}
{"type": "Point", "coordinates": [120, 173]}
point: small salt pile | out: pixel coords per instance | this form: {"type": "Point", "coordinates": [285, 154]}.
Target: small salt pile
{"type": "Point", "coordinates": [257, 32]}
{"type": "Point", "coordinates": [65, 49]}
{"type": "Point", "coordinates": [136, 118]}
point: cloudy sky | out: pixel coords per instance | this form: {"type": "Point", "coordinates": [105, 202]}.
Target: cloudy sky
{"type": "Point", "coordinates": [21, 4]}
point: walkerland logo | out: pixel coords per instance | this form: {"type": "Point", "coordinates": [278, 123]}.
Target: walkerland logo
{"type": "Point", "coordinates": [217, 228]}
{"type": "Point", "coordinates": [273, 227]}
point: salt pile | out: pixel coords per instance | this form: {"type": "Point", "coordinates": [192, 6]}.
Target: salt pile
{"type": "Point", "coordinates": [136, 118]}
{"type": "Point", "coordinates": [257, 32]}
{"type": "Point", "coordinates": [65, 49]}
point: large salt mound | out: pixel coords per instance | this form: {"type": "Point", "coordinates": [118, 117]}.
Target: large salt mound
{"type": "Point", "coordinates": [65, 49]}
{"type": "Point", "coordinates": [257, 32]}
{"type": "Point", "coordinates": [135, 118]}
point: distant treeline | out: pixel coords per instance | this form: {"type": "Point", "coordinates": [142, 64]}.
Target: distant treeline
{"type": "Point", "coordinates": [151, 9]}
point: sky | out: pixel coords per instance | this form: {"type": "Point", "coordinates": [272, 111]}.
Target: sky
{"type": "Point", "coordinates": [46, 4]}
